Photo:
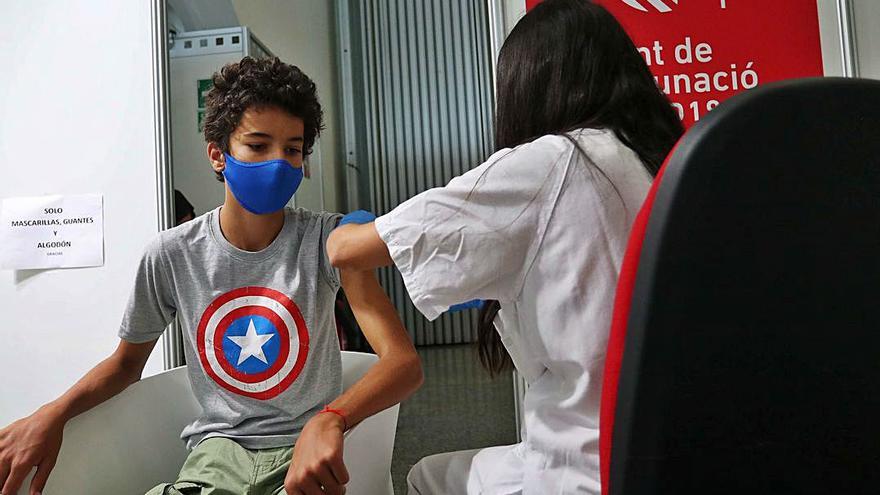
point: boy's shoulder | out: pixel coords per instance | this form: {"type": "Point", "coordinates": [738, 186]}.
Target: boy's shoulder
{"type": "Point", "coordinates": [193, 234]}
{"type": "Point", "coordinates": [313, 219]}
{"type": "Point", "coordinates": [304, 213]}
{"type": "Point", "coordinates": [183, 236]}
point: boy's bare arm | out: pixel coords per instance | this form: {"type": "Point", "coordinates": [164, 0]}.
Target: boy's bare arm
{"type": "Point", "coordinates": [399, 371]}
{"type": "Point", "coordinates": [36, 439]}
{"type": "Point", "coordinates": [317, 457]}
{"type": "Point", "coordinates": [357, 247]}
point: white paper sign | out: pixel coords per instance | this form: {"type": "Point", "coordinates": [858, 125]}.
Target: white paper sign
{"type": "Point", "coordinates": [52, 232]}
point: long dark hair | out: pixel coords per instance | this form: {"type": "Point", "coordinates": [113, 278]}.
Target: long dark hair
{"type": "Point", "coordinates": [568, 64]}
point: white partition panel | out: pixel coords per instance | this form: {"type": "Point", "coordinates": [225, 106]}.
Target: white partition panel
{"type": "Point", "coordinates": [77, 106]}
{"type": "Point", "coordinates": [866, 15]}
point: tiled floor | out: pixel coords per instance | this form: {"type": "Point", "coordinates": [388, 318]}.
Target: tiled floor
{"type": "Point", "coordinates": [458, 407]}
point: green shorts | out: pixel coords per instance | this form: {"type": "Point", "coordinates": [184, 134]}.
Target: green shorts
{"type": "Point", "coordinates": [219, 466]}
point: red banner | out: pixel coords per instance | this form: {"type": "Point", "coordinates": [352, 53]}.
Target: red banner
{"type": "Point", "coordinates": [705, 51]}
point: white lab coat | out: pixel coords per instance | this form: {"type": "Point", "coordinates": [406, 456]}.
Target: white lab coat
{"type": "Point", "coordinates": [541, 230]}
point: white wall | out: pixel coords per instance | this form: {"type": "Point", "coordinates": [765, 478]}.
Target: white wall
{"type": "Point", "coordinates": [829, 32]}
{"type": "Point", "coordinates": [513, 12]}
{"type": "Point", "coordinates": [76, 102]}
{"type": "Point", "coordinates": [303, 33]}
{"type": "Point", "coordinates": [867, 29]}
{"type": "Point", "coordinates": [867, 18]}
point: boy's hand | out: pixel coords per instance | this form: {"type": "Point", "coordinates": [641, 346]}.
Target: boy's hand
{"type": "Point", "coordinates": [29, 442]}
{"type": "Point", "coordinates": [317, 459]}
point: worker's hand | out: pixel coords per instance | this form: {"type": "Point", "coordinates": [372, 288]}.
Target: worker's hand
{"type": "Point", "coordinates": [32, 441]}
{"type": "Point", "coordinates": [476, 303]}
{"type": "Point", "coordinates": [358, 217]}
{"type": "Point", "coordinates": [317, 459]}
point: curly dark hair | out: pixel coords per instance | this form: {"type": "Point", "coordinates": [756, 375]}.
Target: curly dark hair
{"type": "Point", "coordinates": [251, 83]}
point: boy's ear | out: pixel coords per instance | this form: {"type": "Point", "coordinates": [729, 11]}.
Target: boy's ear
{"type": "Point", "coordinates": [215, 155]}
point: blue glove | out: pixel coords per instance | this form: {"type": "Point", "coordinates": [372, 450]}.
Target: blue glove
{"type": "Point", "coordinates": [476, 303]}
{"type": "Point", "coordinates": [358, 217]}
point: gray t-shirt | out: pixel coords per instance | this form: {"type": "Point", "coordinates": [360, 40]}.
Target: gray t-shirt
{"type": "Point", "coordinates": [259, 330]}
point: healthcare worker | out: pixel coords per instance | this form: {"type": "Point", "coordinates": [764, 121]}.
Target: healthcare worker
{"type": "Point", "coordinates": [540, 230]}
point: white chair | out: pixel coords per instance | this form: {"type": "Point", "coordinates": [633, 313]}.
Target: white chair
{"type": "Point", "coordinates": [132, 443]}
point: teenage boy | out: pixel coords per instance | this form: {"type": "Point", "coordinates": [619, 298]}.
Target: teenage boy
{"type": "Point", "coordinates": [254, 292]}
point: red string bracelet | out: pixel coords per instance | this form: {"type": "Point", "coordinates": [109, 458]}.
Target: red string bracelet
{"type": "Point", "coordinates": [339, 413]}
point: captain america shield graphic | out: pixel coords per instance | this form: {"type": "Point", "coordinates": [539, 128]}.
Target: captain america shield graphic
{"type": "Point", "coordinates": [253, 341]}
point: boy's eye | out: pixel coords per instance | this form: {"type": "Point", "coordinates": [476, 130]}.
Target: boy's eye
{"type": "Point", "coordinates": [294, 151]}
{"type": "Point", "coordinates": [256, 147]}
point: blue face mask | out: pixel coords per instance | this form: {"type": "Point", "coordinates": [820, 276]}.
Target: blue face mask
{"type": "Point", "coordinates": [262, 187]}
